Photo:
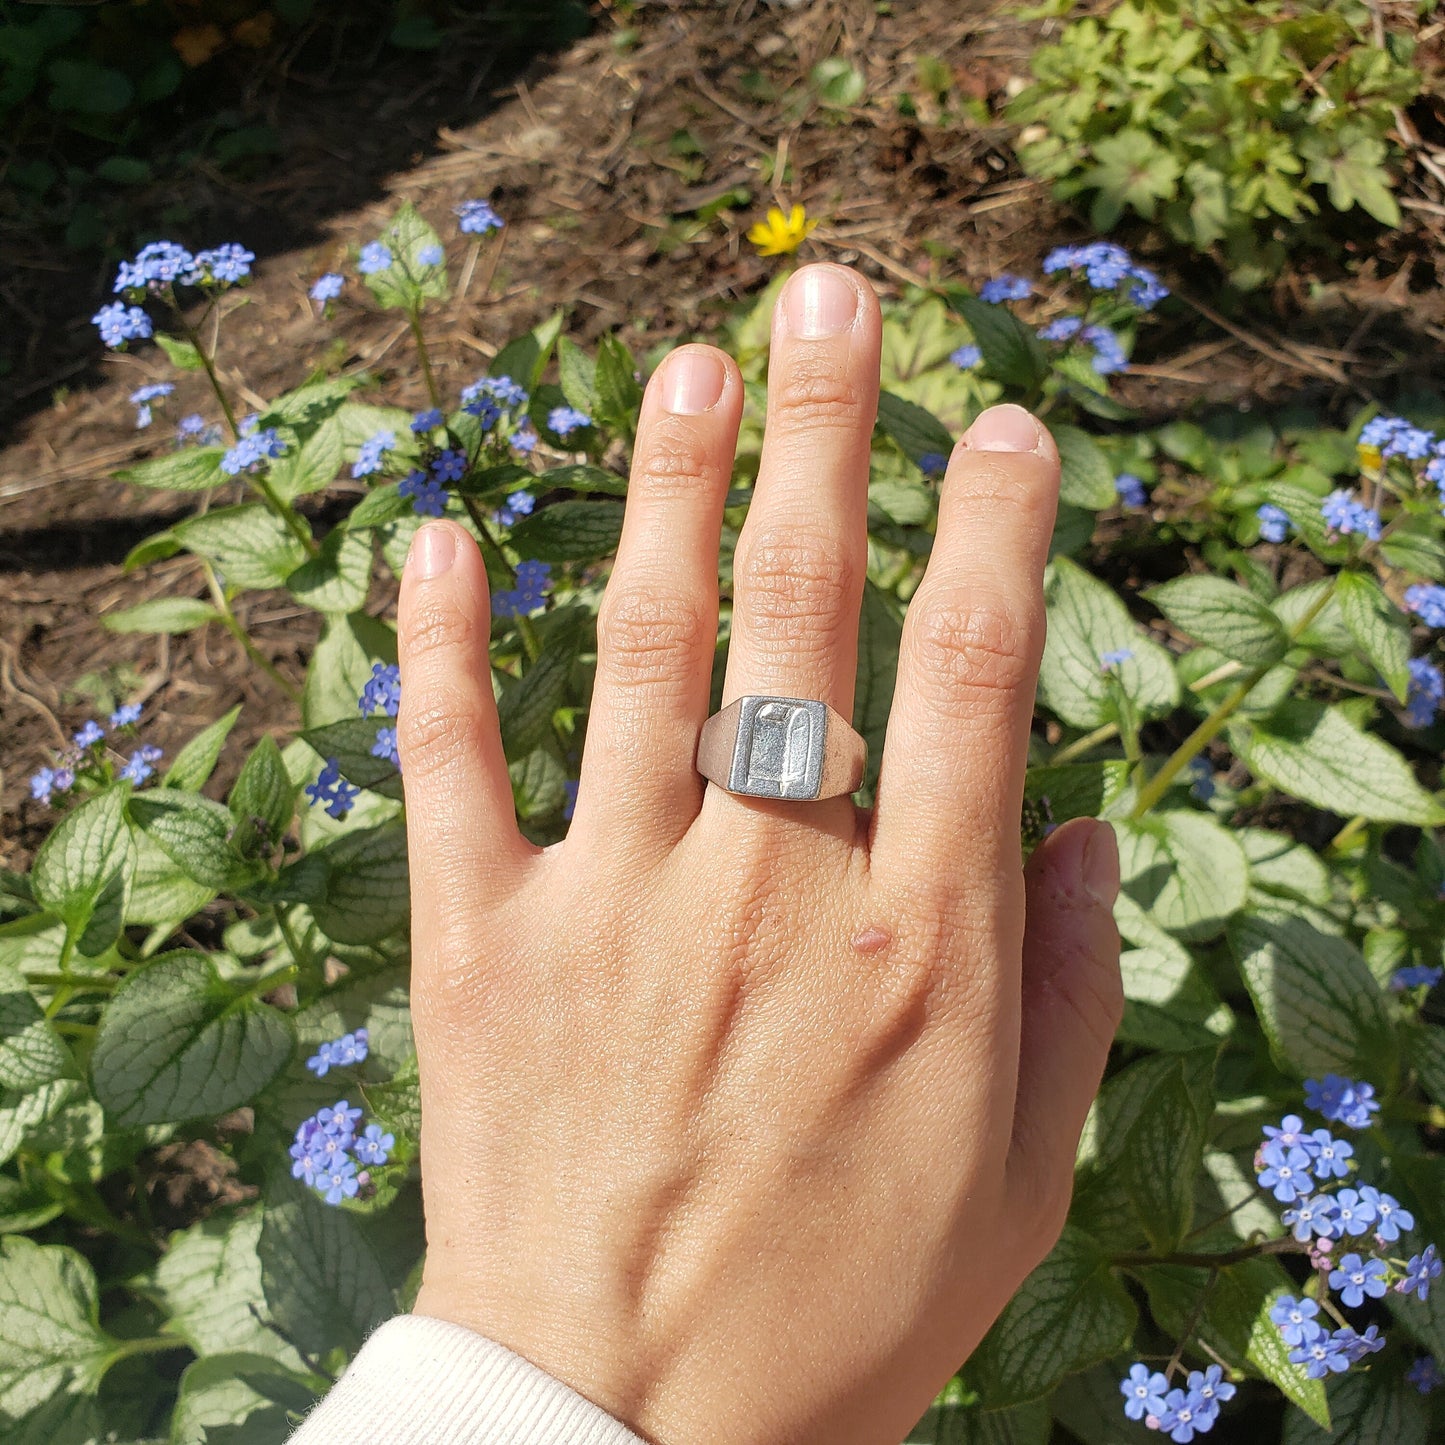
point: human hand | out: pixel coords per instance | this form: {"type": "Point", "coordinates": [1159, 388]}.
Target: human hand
{"type": "Point", "coordinates": [745, 1117]}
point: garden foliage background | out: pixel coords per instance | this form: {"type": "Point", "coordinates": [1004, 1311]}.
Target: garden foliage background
{"type": "Point", "coordinates": [203, 913]}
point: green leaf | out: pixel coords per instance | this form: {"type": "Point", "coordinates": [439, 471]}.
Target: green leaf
{"type": "Point", "coordinates": [913, 427]}
{"type": "Point", "coordinates": [1427, 1054]}
{"type": "Point", "coordinates": [90, 89]}
{"type": "Point", "coordinates": [162, 614]}
{"type": "Point", "coordinates": [1012, 353]}
{"type": "Point", "coordinates": [178, 1042]}
{"type": "Point", "coordinates": [193, 832]}
{"type": "Point", "coordinates": [1279, 865]}
{"type": "Point", "coordinates": [1131, 169]}
{"type": "Point", "coordinates": [1086, 620]}
{"type": "Point", "coordinates": [1369, 1407]}
{"type": "Point", "coordinates": [524, 358]}
{"type": "Point", "coordinates": [1069, 1313]}
{"type": "Point", "coordinates": [153, 549]}
{"type": "Point", "coordinates": [538, 783]}
{"type": "Point", "coordinates": [618, 392]}
{"type": "Point", "coordinates": [181, 354]}
{"type": "Point", "coordinates": [80, 861]}
{"type": "Point", "coordinates": [263, 799]}
{"type": "Point", "coordinates": [1223, 616]}
{"type": "Point", "coordinates": [324, 1284]}
{"type": "Point", "coordinates": [23, 1114]}
{"type": "Point", "coordinates": [237, 1399]}
{"type": "Point", "coordinates": [1185, 869]}
{"type": "Point", "coordinates": [1086, 479]}
{"type": "Point", "coordinates": [952, 1422]}
{"type": "Point", "coordinates": [408, 281]}
{"type": "Point", "coordinates": [197, 760]}
{"type": "Point", "coordinates": [1169, 1004]}
{"type": "Point", "coordinates": [580, 478]}
{"type": "Point", "coordinates": [880, 627]}
{"type": "Point", "coordinates": [312, 466]}
{"type": "Point", "coordinates": [570, 532]}
{"type": "Point", "coordinates": [378, 507]}
{"type": "Point", "coordinates": [351, 743]}
{"type": "Point", "coordinates": [338, 577]}
{"type": "Point", "coordinates": [1076, 790]}
{"type": "Point", "coordinates": [525, 709]}
{"type": "Point", "coordinates": [192, 469]}
{"type": "Point", "coordinates": [579, 376]}
{"type": "Point", "coordinates": [1312, 753]}
{"type": "Point", "coordinates": [208, 1282]}
{"type": "Point", "coordinates": [1379, 628]}
{"type": "Point", "coordinates": [50, 1334]}
{"type": "Point", "coordinates": [367, 893]}
{"type": "Point", "coordinates": [250, 545]}
{"type": "Point", "coordinates": [349, 648]}
{"type": "Point", "coordinates": [31, 1052]}
{"type": "Point", "coordinates": [1166, 1149]}
{"type": "Point", "coordinates": [1317, 1001]}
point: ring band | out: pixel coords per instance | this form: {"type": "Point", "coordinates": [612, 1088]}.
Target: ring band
{"type": "Point", "coordinates": [781, 747]}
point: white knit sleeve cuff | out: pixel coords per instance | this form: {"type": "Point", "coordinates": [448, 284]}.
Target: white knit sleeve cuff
{"type": "Point", "coordinates": [420, 1381]}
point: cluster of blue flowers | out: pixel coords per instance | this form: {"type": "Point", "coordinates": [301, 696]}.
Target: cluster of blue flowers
{"type": "Point", "coordinates": [564, 420]}
{"type": "Point", "coordinates": [1346, 515]}
{"type": "Point", "coordinates": [1425, 1375]}
{"type": "Point", "coordinates": [1274, 522]}
{"type": "Point", "coordinates": [1114, 659]}
{"type": "Point", "coordinates": [1301, 1168]}
{"type": "Point", "coordinates": [253, 449]}
{"type": "Point", "coordinates": [142, 397]}
{"type": "Point", "coordinates": [1420, 975]}
{"type": "Point", "coordinates": [382, 693]}
{"type": "Point", "coordinates": [328, 1153]}
{"type": "Point", "coordinates": [933, 465]}
{"type": "Point", "coordinates": [1427, 601]}
{"type": "Point", "coordinates": [338, 1053]}
{"type": "Point", "coordinates": [518, 505]}
{"type": "Point", "coordinates": [477, 218]}
{"type": "Point", "coordinates": [156, 269]}
{"type": "Point", "coordinates": [1005, 287]}
{"type": "Point", "coordinates": [374, 257]}
{"type": "Point", "coordinates": [194, 430]}
{"type": "Point", "coordinates": [1426, 692]}
{"type": "Point", "coordinates": [965, 358]}
{"type": "Point", "coordinates": [1181, 1413]}
{"type": "Point", "coordinates": [88, 757]}
{"type": "Point", "coordinates": [370, 453]}
{"type": "Point", "coordinates": [534, 582]}
{"type": "Point", "coordinates": [1109, 354]}
{"type": "Point", "coordinates": [327, 287]}
{"type": "Point", "coordinates": [1131, 490]}
{"type": "Point", "coordinates": [1106, 267]}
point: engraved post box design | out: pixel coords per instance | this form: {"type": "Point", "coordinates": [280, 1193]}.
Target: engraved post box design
{"type": "Point", "coordinates": [779, 749]}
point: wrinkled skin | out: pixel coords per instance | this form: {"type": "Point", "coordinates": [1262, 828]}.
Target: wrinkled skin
{"type": "Point", "coordinates": [746, 1117]}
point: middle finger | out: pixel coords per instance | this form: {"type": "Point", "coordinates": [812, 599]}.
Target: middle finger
{"type": "Point", "coordinates": [802, 555]}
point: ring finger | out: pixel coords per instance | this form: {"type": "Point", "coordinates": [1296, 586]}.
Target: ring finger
{"type": "Point", "coordinates": [802, 556]}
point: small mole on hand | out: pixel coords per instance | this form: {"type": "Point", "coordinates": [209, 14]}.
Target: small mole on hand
{"type": "Point", "coordinates": [872, 939]}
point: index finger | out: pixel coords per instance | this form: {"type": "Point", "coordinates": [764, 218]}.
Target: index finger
{"type": "Point", "coordinates": [957, 743]}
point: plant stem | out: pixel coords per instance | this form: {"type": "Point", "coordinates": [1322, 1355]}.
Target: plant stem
{"type": "Point", "coordinates": [490, 545]}
{"type": "Point", "coordinates": [194, 337]}
{"type": "Point", "coordinates": [413, 317]}
{"type": "Point", "coordinates": [233, 626]}
{"type": "Point", "coordinates": [1082, 745]}
{"type": "Point", "coordinates": [1195, 1315]}
{"type": "Point", "coordinates": [294, 524]}
{"type": "Point", "coordinates": [1213, 725]}
{"type": "Point", "coordinates": [1351, 830]}
{"type": "Point", "coordinates": [1287, 1245]}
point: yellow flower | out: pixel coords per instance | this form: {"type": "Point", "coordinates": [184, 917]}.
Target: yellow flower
{"type": "Point", "coordinates": [780, 235]}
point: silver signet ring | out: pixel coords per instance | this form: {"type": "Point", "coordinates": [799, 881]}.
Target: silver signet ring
{"type": "Point", "coordinates": [781, 747]}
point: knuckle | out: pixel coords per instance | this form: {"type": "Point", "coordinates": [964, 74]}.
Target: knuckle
{"type": "Point", "coordinates": [429, 629]}
{"type": "Point", "coordinates": [646, 635]}
{"type": "Point", "coordinates": [966, 649]}
{"type": "Point", "coordinates": [816, 391]}
{"type": "Point", "coordinates": [438, 733]}
{"type": "Point", "coordinates": [790, 578]}
{"type": "Point", "coordinates": [676, 461]}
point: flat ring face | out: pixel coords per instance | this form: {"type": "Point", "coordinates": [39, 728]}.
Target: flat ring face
{"type": "Point", "coordinates": [779, 748]}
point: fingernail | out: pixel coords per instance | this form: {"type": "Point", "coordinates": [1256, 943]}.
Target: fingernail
{"type": "Point", "coordinates": [1101, 865]}
{"type": "Point", "coordinates": [819, 302]}
{"type": "Point", "coordinates": [694, 382]}
{"type": "Point", "coordinates": [433, 550]}
{"type": "Point", "coordinates": [1006, 428]}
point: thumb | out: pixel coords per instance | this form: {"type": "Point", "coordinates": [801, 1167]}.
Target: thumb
{"type": "Point", "coordinates": [1073, 999]}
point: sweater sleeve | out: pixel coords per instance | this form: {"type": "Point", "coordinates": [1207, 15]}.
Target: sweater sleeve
{"type": "Point", "coordinates": [420, 1381]}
